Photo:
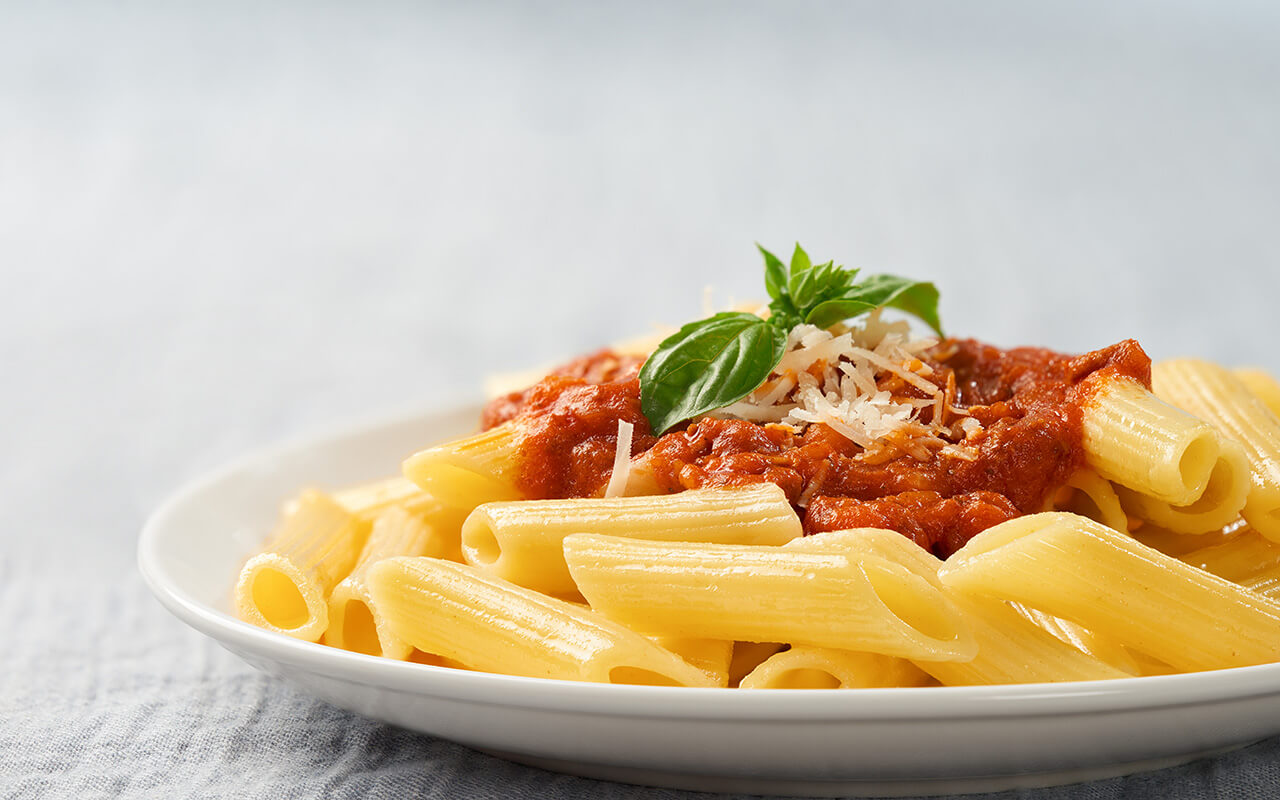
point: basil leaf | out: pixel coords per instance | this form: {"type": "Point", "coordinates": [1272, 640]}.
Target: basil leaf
{"type": "Point", "coordinates": [799, 260]}
{"type": "Point", "coordinates": [917, 298]}
{"type": "Point", "coordinates": [775, 274]}
{"type": "Point", "coordinates": [823, 282]}
{"type": "Point", "coordinates": [707, 365]}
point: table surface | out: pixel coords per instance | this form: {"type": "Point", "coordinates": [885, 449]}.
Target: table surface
{"type": "Point", "coordinates": [223, 225]}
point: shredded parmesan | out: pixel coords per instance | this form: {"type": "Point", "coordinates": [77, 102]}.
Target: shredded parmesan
{"type": "Point", "coordinates": [868, 382]}
{"type": "Point", "coordinates": [617, 486]}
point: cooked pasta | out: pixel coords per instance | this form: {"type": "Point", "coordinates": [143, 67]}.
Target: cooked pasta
{"type": "Point", "coordinates": [485, 623]}
{"type": "Point", "coordinates": [765, 594]}
{"type": "Point", "coordinates": [285, 587]}
{"type": "Point", "coordinates": [1213, 393]}
{"type": "Point", "coordinates": [1113, 585]}
{"type": "Point", "coordinates": [812, 496]}
{"type": "Point", "coordinates": [523, 541]}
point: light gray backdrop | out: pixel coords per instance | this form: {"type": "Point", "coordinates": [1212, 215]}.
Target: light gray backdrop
{"type": "Point", "coordinates": [227, 224]}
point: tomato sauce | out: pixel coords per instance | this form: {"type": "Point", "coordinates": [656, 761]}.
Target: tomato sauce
{"type": "Point", "coordinates": [1029, 402]}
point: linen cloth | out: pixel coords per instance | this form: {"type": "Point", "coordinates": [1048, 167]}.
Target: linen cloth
{"type": "Point", "coordinates": [227, 225]}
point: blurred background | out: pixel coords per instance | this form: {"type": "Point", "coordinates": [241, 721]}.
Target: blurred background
{"type": "Point", "coordinates": [226, 224]}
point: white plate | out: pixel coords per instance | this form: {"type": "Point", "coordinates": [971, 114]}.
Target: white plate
{"type": "Point", "coordinates": [817, 742]}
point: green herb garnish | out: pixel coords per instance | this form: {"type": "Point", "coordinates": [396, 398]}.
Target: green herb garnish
{"type": "Point", "coordinates": [717, 361]}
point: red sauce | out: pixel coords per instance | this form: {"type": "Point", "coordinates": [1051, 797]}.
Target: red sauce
{"type": "Point", "coordinates": [1030, 402]}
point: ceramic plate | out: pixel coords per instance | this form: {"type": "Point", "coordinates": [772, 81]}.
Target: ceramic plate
{"type": "Point", "coordinates": [807, 742]}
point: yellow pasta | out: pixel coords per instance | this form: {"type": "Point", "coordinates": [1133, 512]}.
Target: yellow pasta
{"type": "Point", "coordinates": [1176, 544]}
{"type": "Point", "coordinates": [523, 541]}
{"type": "Point", "coordinates": [284, 588]}
{"type": "Point", "coordinates": [1084, 640]}
{"type": "Point", "coordinates": [803, 667]}
{"type": "Point", "coordinates": [712, 656]}
{"type": "Point", "coordinates": [763, 594]}
{"type": "Point", "coordinates": [1076, 569]}
{"type": "Point", "coordinates": [1135, 439]}
{"type": "Point", "coordinates": [1220, 505]}
{"type": "Point", "coordinates": [467, 472]}
{"type": "Point", "coordinates": [355, 622]}
{"type": "Point", "coordinates": [1089, 495]}
{"type": "Point", "coordinates": [485, 623]}
{"type": "Point", "coordinates": [1213, 393]}
{"type": "Point", "coordinates": [368, 500]}
{"type": "Point", "coordinates": [747, 656]}
{"type": "Point", "coordinates": [1011, 648]}
{"type": "Point", "coordinates": [1241, 559]}
{"type": "Point", "coordinates": [1262, 384]}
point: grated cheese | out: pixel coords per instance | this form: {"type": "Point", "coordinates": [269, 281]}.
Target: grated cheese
{"type": "Point", "coordinates": [854, 380]}
{"type": "Point", "coordinates": [617, 486]}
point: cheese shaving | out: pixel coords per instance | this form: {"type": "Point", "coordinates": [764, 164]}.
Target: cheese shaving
{"type": "Point", "coordinates": [617, 486]}
{"type": "Point", "coordinates": [868, 382]}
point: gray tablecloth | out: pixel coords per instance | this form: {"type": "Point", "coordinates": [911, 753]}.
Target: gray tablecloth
{"type": "Point", "coordinates": [223, 225]}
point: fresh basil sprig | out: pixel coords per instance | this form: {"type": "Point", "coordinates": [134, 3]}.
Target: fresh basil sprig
{"type": "Point", "coordinates": [717, 361]}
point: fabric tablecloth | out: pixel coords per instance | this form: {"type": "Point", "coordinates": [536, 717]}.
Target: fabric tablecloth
{"type": "Point", "coordinates": [226, 225]}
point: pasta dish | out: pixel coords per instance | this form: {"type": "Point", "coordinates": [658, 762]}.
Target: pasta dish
{"type": "Point", "coordinates": [813, 494]}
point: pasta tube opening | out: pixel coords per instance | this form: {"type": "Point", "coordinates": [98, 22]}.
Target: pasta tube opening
{"type": "Point", "coordinates": [278, 599]}
{"type": "Point", "coordinates": [359, 629]}
{"type": "Point", "coordinates": [1137, 440]}
{"type": "Point", "coordinates": [1197, 461]}
{"type": "Point", "coordinates": [1223, 499]}
{"type": "Point", "coordinates": [480, 545]}
{"type": "Point", "coordinates": [273, 593]}
{"type": "Point", "coordinates": [912, 600]}
{"type": "Point", "coordinates": [804, 678]}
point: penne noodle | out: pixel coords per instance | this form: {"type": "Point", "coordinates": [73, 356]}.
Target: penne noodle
{"type": "Point", "coordinates": [1177, 544]}
{"type": "Point", "coordinates": [1011, 648]}
{"type": "Point", "coordinates": [803, 667]}
{"type": "Point", "coordinates": [1262, 384]}
{"type": "Point", "coordinates": [1137, 440]}
{"type": "Point", "coordinates": [1220, 505]}
{"type": "Point", "coordinates": [368, 500]}
{"type": "Point", "coordinates": [284, 588]}
{"type": "Point", "coordinates": [355, 623]}
{"type": "Point", "coordinates": [455, 611]}
{"type": "Point", "coordinates": [712, 656]}
{"type": "Point", "coordinates": [471, 471]}
{"type": "Point", "coordinates": [1089, 495]}
{"type": "Point", "coordinates": [1242, 559]}
{"type": "Point", "coordinates": [754, 593]}
{"type": "Point", "coordinates": [747, 656]}
{"type": "Point", "coordinates": [1213, 393]}
{"type": "Point", "coordinates": [523, 541]}
{"type": "Point", "coordinates": [1074, 568]}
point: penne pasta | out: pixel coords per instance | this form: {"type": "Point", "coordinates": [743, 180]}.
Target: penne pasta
{"type": "Point", "coordinates": [640, 517]}
{"type": "Point", "coordinates": [523, 541]}
{"type": "Point", "coordinates": [457, 612]}
{"type": "Point", "coordinates": [1262, 384]}
{"type": "Point", "coordinates": [284, 588]}
{"type": "Point", "coordinates": [747, 656]}
{"type": "Point", "coordinates": [754, 593]}
{"type": "Point", "coordinates": [1212, 392]}
{"type": "Point", "coordinates": [368, 500]}
{"type": "Point", "coordinates": [1089, 495]}
{"type": "Point", "coordinates": [712, 656]}
{"type": "Point", "coordinates": [355, 623]}
{"type": "Point", "coordinates": [1137, 440]}
{"type": "Point", "coordinates": [471, 471]}
{"type": "Point", "coordinates": [1074, 568]}
{"type": "Point", "coordinates": [803, 667]}
{"type": "Point", "coordinates": [1011, 648]}
{"type": "Point", "coordinates": [1243, 559]}
{"type": "Point", "coordinates": [1220, 505]}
